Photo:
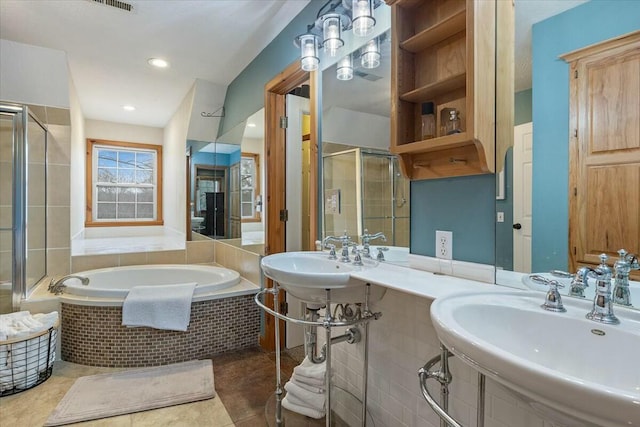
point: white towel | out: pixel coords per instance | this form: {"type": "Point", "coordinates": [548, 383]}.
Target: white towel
{"type": "Point", "coordinates": [311, 370]}
{"type": "Point", "coordinates": [309, 412]}
{"type": "Point", "coordinates": [160, 307]}
{"type": "Point", "coordinates": [313, 382]}
{"type": "Point", "coordinates": [315, 388]}
{"type": "Point", "coordinates": [305, 397]}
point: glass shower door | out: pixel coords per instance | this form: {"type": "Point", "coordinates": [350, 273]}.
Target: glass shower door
{"type": "Point", "coordinates": [6, 211]}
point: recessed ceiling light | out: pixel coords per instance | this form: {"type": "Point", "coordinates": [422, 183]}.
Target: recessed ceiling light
{"type": "Point", "coordinates": [157, 62]}
{"type": "Point", "coordinates": [129, 107]}
{"type": "Point", "coordinates": [251, 125]}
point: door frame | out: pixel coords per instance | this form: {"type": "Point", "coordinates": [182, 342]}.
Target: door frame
{"type": "Point", "coordinates": [275, 173]}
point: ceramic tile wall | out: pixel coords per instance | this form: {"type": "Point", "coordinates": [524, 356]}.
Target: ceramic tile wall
{"type": "Point", "coordinates": [340, 174]}
{"type": "Point", "coordinates": [58, 200]}
{"type": "Point", "coordinates": [196, 252]}
{"type": "Point", "coordinates": [233, 257]}
{"type": "Point", "coordinates": [400, 343]}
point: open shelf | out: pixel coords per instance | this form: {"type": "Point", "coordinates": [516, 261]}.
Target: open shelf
{"type": "Point", "coordinates": [436, 33]}
{"type": "Point", "coordinates": [435, 89]}
{"type": "Point", "coordinates": [434, 144]}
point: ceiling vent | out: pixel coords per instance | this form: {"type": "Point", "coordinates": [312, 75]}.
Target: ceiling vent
{"type": "Point", "coordinates": [127, 7]}
{"type": "Point", "coordinates": [367, 76]}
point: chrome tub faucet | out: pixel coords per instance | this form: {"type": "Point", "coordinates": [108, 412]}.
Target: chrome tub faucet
{"type": "Point", "coordinates": [57, 286]}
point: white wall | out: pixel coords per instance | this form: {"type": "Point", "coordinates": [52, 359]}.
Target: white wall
{"type": "Point", "coordinates": [209, 98]}
{"type": "Point", "coordinates": [112, 131]}
{"type": "Point", "coordinates": [77, 157]}
{"type": "Point", "coordinates": [174, 159]}
{"type": "Point", "coordinates": [349, 127]}
{"type": "Point", "coordinates": [33, 75]}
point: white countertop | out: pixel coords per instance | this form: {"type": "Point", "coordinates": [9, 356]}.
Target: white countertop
{"type": "Point", "coordinates": [420, 283]}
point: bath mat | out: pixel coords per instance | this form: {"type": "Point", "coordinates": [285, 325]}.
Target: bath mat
{"type": "Point", "coordinates": [125, 392]}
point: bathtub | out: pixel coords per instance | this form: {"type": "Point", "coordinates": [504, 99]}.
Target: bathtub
{"type": "Point", "coordinates": [223, 317]}
{"type": "Point", "coordinates": [116, 282]}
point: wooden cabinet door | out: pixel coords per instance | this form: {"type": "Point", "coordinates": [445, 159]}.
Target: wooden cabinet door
{"type": "Point", "coordinates": [605, 153]}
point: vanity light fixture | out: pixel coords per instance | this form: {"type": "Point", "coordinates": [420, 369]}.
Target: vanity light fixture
{"type": "Point", "coordinates": [362, 17]}
{"type": "Point", "coordinates": [308, 44]}
{"type": "Point", "coordinates": [332, 24]}
{"type": "Point", "coordinates": [158, 62]}
{"type": "Point", "coordinates": [344, 70]}
{"type": "Point", "coordinates": [129, 108]}
{"type": "Point", "coordinates": [332, 18]}
{"type": "Point", "coordinates": [371, 54]}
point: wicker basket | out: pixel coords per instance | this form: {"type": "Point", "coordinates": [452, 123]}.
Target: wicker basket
{"type": "Point", "coordinates": [27, 362]}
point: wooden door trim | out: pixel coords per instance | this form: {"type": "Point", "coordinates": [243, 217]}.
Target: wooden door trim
{"type": "Point", "coordinates": [275, 173]}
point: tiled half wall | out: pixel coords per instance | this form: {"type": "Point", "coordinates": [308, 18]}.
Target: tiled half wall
{"type": "Point", "coordinates": [94, 335]}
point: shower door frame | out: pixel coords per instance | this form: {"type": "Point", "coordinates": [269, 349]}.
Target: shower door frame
{"type": "Point", "coordinates": [20, 139]}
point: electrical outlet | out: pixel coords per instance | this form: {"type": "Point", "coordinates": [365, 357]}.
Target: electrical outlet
{"type": "Point", "coordinates": [500, 216]}
{"type": "Point", "coordinates": [444, 244]}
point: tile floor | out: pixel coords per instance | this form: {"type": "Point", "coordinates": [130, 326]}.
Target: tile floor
{"type": "Point", "coordinates": [244, 382]}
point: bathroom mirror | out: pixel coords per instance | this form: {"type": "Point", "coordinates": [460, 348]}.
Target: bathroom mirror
{"type": "Point", "coordinates": [362, 186]}
{"type": "Point", "coordinates": [227, 185]}
{"type": "Point", "coordinates": [534, 234]}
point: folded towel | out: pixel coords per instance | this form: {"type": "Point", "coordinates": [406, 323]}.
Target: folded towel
{"type": "Point", "coordinates": [313, 382]}
{"type": "Point", "coordinates": [314, 388]}
{"type": "Point", "coordinates": [309, 412]}
{"type": "Point", "coordinates": [311, 370]}
{"type": "Point", "coordinates": [305, 397]}
{"type": "Point", "coordinates": [160, 307]}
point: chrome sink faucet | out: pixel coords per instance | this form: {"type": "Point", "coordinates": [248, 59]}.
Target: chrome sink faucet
{"type": "Point", "coordinates": [602, 310]}
{"type": "Point", "coordinates": [344, 240]}
{"type": "Point", "coordinates": [579, 282]}
{"type": "Point", "coordinates": [623, 266]}
{"type": "Point", "coordinates": [331, 247]}
{"type": "Point", "coordinates": [367, 238]}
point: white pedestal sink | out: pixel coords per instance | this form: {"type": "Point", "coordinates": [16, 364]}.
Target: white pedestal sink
{"type": "Point", "coordinates": [572, 370]}
{"type": "Point", "coordinates": [307, 276]}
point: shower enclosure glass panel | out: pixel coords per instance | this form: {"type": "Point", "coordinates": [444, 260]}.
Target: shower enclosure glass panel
{"type": "Point", "coordinates": [23, 142]}
{"type": "Point", "coordinates": [371, 193]}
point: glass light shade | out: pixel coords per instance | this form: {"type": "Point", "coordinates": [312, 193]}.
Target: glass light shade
{"type": "Point", "coordinates": [309, 60]}
{"type": "Point", "coordinates": [362, 17]}
{"type": "Point", "coordinates": [344, 70]}
{"type": "Point", "coordinates": [331, 29]}
{"type": "Point", "coordinates": [371, 54]}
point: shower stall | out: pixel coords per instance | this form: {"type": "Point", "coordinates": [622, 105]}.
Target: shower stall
{"type": "Point", "coordinates": [23, 203]}
{"type": "Point", "coordinates": [364, 189]}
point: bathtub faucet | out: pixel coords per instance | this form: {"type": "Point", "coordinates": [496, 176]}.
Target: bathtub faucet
{"type": "Point", "coordinates": [57, 286]}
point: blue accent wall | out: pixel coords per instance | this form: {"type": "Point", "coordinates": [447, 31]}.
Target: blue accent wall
{"type": "Point", "coordinates": [576, 28]}
{"type": "Point", "coordinates": [245, 94]}
{"type": "Point", "coordinates": [464, 206]}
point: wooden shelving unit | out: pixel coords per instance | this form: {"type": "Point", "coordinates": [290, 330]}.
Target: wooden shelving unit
{"type": "Point", "coordinates": [443, 52]}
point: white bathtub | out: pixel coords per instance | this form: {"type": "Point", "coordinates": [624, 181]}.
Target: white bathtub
{"type": "Point", "coordinates": [116, 282]}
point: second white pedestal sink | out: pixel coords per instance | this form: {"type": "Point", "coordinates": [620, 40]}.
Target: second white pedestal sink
{"type": "Point", "coordinates": [570, 369]}
{"type": "Point", "coordinates": [307, 275]}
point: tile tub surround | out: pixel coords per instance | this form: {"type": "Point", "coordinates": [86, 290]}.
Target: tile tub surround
{"type": "Point", "coordinates": [94, 335]}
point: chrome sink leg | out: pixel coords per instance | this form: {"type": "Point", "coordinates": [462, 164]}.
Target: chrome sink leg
{"type": "Point", "coordinates": [279, 392]}
{"type": "Point", "coordinates": [327, 378]}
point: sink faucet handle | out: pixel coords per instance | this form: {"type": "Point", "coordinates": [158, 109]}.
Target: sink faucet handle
{"type": "Point", "coordinates": [332, 251]}
{"type": "Point", "coordinates": [552, 299]}
{"type": "Point", "coordinates": [357, 260]}
{"type": "Point", "coordinates": [381, 251]}
{"type": "Point", "coordinates": [579, 282]}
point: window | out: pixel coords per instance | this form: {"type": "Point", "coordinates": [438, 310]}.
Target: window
{"type": "Point", "coordinates": [250, 199]}
{"type": "Point", "coordinates": [124, 183]}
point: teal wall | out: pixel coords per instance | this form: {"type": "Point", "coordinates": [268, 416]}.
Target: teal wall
{"type": "Point", "coordinates": [245, 94]}
{"type": "Point", "coordinates": [576, 28]}
{"type": "Point", "coordinates": [464, 206]}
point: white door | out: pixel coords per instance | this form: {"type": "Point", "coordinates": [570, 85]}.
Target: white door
{"type": "Point", "coordinates": [296, 107]}
{"type": "Point", "coordinates": [522, 175]}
